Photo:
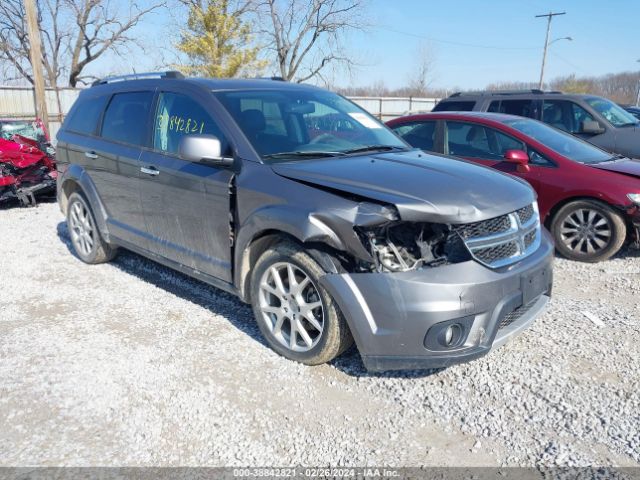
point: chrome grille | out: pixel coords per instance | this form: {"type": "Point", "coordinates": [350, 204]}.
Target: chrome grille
{"type": "Point", "coordinates": [491, 254]}
{"type": "Point", "coordinates": [487, 227]}
{"type": "Point", "coordinates": [525, 213]}
{"type": "Point", "coordinates": [503, 240]}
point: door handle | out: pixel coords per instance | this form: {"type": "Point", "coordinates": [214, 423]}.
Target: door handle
{"type": "Point", "coordinates": [91, 155]}
{"type": "Point", "coordinates": [150, 171]}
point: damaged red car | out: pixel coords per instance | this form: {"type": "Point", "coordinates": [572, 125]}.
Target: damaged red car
{"type": "Point", "coordinates": [27, 161]}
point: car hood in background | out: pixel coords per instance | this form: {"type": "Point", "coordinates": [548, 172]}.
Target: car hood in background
{"type": "Point", "coordinates": [423, 187]}
{"type": "Point", "coordinates": [625, 166]}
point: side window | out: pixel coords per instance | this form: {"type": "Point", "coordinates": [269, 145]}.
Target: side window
{"type": "Point", "coordinates": [468, 140]}
{"type": "Point", "coordinates": [86, 115]}
{"type": "Point", "coordinates": [557, 114]}
{"type": "Point", "coordinates": [522, 108]}
{"type": "Point", "coordinates": [454, 106]}
{"type": "Point", "coordinates": [177, 116]}
{"type": "Point", "coordinates": [565, 115]}
{"type": "Point", "coordinates": [580, 115]}
{"type": "Point", "coordinates": [419, 135]}
{"type": "Point", "coordinates": [476, 141]}
{"type": "Point", "coordinates": [539, 160]}
{"type": "Point", "coordinates": [502, 143]}
{"type": "Point", "coordinates": [125, 119]}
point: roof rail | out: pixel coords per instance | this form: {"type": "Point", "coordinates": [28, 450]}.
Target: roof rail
{"type": "Point", "coordinates": [504, 92]}
{"type": "Point", "coordinates": [275, 79]}
{"type": "Point", "coordinates": [139, 76]}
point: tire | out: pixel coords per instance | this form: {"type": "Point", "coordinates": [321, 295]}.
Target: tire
{"type": "Point", "coordinates": [588, 231]}
{"type": "Point", "coordinates": [280, 309]}
{"type": "Point", "coordinates": [85, 237]}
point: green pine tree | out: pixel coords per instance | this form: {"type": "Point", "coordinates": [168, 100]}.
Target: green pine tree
{"type": "Point", "coordinates": [218, 43]}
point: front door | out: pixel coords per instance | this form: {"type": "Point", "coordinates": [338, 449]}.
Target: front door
{"type": "Point", "coordinates": [486, 146]}
{"type": "Point", "coordinates": [186, 204]}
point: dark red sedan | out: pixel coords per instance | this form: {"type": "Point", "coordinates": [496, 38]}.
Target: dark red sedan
{"type": "Point", "coordinates": [588, 199]}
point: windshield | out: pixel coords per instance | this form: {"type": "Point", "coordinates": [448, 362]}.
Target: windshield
{"type": "Point", "coordinates": [287, 124]}
{"type": "Point", "coordinates": [32, 130]}
{"type": "Point", "coordinates": [563, 143]}
{"type": "Point", "coordinates": [614, 114]}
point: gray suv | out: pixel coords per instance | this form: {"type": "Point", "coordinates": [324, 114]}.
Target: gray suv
{"type": "Point", "coordinates": [305, 206]}
{"type": "Point", "coordinates": [592, 118]}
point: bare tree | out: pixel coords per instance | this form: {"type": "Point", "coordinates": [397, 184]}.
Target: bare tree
{"type": "Point", "coordinates": [75, 33]}
{"type": "Point", "coordinates": [422, 75]}
{"type": "Point", "coordinates": [308, 35]}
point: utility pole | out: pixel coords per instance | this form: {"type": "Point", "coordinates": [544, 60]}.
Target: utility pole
{"type": "Point", "coordinates": [35, 54]}
{"type": "Point", "coordinates": [549, 16]}
{"type": "Point", "coordinates": [638, 96]}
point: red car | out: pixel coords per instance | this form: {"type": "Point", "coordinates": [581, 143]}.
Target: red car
{"type": "Point", "coordinates": [588, 199]}
{"type": "Point", "coordinates": [27, 161]}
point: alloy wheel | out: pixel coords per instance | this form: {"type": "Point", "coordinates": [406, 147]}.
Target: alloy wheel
{"type": "Point", "coordinates": [586, 231]}
{"type": "Point", "coordinates": [291, 307]}
{"type": "Point", "coordinates": [81, 228]}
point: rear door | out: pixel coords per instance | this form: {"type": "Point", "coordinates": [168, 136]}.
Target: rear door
{"type": "Point", "coordinates": [186, 204]}
{"type": "Point", "coordinates": [115, 162]}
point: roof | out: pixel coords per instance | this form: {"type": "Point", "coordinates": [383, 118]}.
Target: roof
{"type": "Point", "coordinates": [248, 83]}
{"type": "Point", "coordinates": [515, 93]}
{"type": "Point", "coordinates": [209, 83]}
{"type": "Point", "coordinates": [494, 117]}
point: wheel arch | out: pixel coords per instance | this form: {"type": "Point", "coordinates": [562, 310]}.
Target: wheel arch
{"type": "Point", "coordinates": [576, 198]}
{"type": "Point", "coordinates": [326, 256]}
{"type": "Point", "coordinates": [75, 179]}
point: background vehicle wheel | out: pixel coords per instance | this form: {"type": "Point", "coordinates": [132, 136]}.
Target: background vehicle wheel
{"type": "Point", "coordinates": [297, 317]}
{"type": "Point", "coordinates": [85, 237]}
{"type": "Point", "coordinates": [588, 231]}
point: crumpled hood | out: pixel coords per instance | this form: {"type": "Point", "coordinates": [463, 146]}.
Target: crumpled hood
{"type": "Point", "coordinates": [423, 187]}
{"type": "Point", "coordinates": [626, 166]}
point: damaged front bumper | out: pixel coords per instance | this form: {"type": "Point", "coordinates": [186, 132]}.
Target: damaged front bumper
{"type": "Point", "coordinates": [440, 316]}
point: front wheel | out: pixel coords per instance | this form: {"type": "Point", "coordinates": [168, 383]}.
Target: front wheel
{"type": "Point", "coordinates": [296, 316]}
{"type": "Point", "coordinates": [588, 231]}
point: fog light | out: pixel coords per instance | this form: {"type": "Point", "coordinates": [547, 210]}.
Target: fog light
{"type": "Point", "coordinates": [452, 334]}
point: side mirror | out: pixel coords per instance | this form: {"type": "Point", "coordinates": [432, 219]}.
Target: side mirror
{"type": "Point", "coordinates": [520, 158]}
{"type": "Point", "coordinates": [591, 127]}
{"type": "Point", "coordinates": [516, 156]}
{"type": "Point", "coordinates": [205, 149]}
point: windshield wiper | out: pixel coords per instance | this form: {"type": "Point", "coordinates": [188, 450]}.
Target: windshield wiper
{"type": "Point", "coordinates": [614, 158]}
{"type": "Point", "coordinates": [629, 124]}
{"type": "Point", "coordinates": [303, 154]}
{"type": "Point", "coordinates": [371, 148]}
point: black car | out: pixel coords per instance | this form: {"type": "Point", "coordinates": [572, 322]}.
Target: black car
{"type": "Point", "coordinates": [595, 119]}
{"type": "Point", "coordinates": [299, 202]}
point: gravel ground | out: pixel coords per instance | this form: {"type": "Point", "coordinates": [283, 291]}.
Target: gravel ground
{"type": "Point", "coordinates": [132, 364]}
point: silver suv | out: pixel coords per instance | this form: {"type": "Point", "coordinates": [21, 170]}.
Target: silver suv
{"type": "Point", "coordinates": [592, 118]}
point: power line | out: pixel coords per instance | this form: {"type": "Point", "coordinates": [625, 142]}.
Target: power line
{"type": "Point", "coordinates": [461, 44]}
{"type": "Point", "coordinates": [569, 63]}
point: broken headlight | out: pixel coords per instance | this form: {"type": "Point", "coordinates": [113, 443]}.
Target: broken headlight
{"type": "Point", "coordinates": [405, 246]}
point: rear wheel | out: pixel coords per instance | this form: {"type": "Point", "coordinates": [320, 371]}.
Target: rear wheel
{"type": "Point", "coordinates": [85, 237]}
{"type": "Point", "coordinates": [588, 231]}
{"type": "Point", "coordinates": [297, 317]}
